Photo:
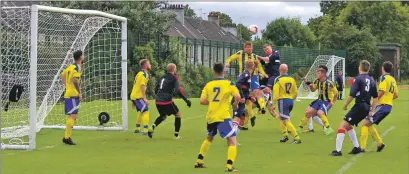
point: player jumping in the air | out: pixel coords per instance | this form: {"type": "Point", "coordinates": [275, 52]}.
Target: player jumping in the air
{"type": "Point", "coordinates": [218, 94]}
{"type": "Point", "coordinates": [285, 91]}
{"type": "Point", "coordinates": [164, 90]}
{"type": "Point", "coordinates": [326, 99]}
{"type": "Point", "coordinates": [363, 89]}
{"type": "Point", "coordinates": [139, 100]}
{"type": "Point", "coordinates": [242, 56]}
{"type": "Point", "coordinates": [243, 85]}
{"type": "Point", "coordinates": [71, 77]}
{"type": "Point", "coordinates": [387, 92]}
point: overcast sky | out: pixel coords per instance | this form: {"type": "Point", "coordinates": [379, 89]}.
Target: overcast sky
{"type": "Point", "coordinates": [258, 13]}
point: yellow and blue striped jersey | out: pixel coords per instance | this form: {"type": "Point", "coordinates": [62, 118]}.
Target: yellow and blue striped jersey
{"type": "Point", "coordinates": [242, 57]}
{"type": "Point", "coordinates": [326, 89]}
{"type": "Point", "coordinates": [219, 93]}
{"type": "Point", "coordinates": [389, 87]}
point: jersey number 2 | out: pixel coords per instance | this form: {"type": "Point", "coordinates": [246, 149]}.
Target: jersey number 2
{"type": "Point", "coordinates": [217, 91]}
{"type": "Point", "coordinates": [288, 88]}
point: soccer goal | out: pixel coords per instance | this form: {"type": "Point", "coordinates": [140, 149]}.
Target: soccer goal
{"type": "Point", "coordinates": [37, 43]}
{"type": "Point", "coordinates": [334, 64]}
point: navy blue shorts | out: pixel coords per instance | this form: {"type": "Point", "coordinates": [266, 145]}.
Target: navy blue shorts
{"type": "Point", "coordinates": [140, 105]}
{"type": "Point", "coordinates": [240, 111]}
{"type": "Point", "coordinates": [270, 82]}
{"type": "Point", "coordinates": [285, 106]}
{"type": "Point", "coordinates": [71, 105]}
{"type": "Point", "coordinates": [245, 93]}
{"type": "Point", "coordinates": [321, 105]}
{"type": "Point", "coordinates": [254, 83]}
{"type": "Point", "coordinates": [381, 111]}
{"type": "Point", "coordinates": [225, 128]}
{"type": "Point", "coordinates": [357, 113]}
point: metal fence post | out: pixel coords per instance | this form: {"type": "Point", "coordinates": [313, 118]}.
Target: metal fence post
{"type": "Point", "coordinates": [186, 44]}
{"type": "Point", "coordinates": [217, 51]}
{"type": "Point", "coordinates": [194, 52]}
{"type": "Point", "coordinates": [202, 52]}
{"type": "Point", "coordinates": [210, 53]}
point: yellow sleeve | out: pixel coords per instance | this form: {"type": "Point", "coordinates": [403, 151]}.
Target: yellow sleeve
{"type": "Point", "coordinates": [141, 78]}
{"type": "Point", "coordinates": [396, 89]}
{"type": "Point", "coordinates": [382, 86]}
{"type": "Point", "coordinates": [233, 57]}
{"type": "Point", "coordinates": [76, 74]}
{"type": "Point", "coordinates": [276, 92]}
{"type": "Point", "coordinates": [235, 91]}
{"type": "Point", "coordinates": [64, 73]}
{"type": "Point", "coordinates": [203, 96]}
{"type": "Point", "coordinates": [315, 83]}
{"type": "Point", "coordinates": [334, 90]}
{"type": "Point", "coordinates": [260, 69]}
{"type": "Point", "coordinates": [294, 89]}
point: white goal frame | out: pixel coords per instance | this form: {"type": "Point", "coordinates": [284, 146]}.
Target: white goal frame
{"type": "Point", "coordinates": [331, 64]}
{"type": "Point", "coordinates": [32, 112]}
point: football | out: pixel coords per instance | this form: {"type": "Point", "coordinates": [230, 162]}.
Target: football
{"type": "Point", "coordinates": [253, 29]}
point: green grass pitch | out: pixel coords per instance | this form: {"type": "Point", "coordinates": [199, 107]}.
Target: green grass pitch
{"type": "Point", "coordinates": [112, 152]}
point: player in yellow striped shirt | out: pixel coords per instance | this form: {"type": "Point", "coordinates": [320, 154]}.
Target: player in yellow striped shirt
{"type": "Point", "coordinates": [388, 91]}
{"type": "Point", "coordinates": [71, 77]}
{"type": "Point", "coordinates": [285, 91]}
{"type": "Point", "coordinates": [139, 100]}
{"type": "Point", "coordinates": [217, 94]}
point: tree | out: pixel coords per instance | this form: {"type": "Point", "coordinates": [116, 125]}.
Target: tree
{"type": "Point", "coordinates": [189, 12]}
{"type": "Point", "coordinates": [225, 19]}
{"type": "Point", "coordinates": [243, 33]}
{"type": "Point", "coordinates": [290, 32]}
{"type": "Point", "coordinates": [332, 8]}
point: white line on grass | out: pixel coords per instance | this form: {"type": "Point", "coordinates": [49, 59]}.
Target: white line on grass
{"type": "Point", "coordinates": [92, 138]}
{"type": "Point", "coordinates": [353, 159]}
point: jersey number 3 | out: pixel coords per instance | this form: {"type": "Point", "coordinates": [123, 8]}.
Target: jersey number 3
{"type": "Point", "coordinates": [217, 91]}
{"type": "Point", "coordinates": [368, 83]}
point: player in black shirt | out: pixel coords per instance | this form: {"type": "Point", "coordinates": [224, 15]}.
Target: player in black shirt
{"type": "Point", "coordinates": [164, 90]}
{"type": "Point", "coordinates": [363, 89]}
{"type": "Point", "coordinates": [271, 65]}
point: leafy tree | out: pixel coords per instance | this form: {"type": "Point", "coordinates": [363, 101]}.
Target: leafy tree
{"type": "Point", "coordinates": [225, 19]}
{"type": "Point", "coordinates": [289, 31]}
{"type": "Point", "coordinates": [243, 33]}
{"type": "Point", "coordinates": [332, 8]}
{"type": "Point", "coordinates": [314, 24]}
{"type": "Point", "coordinates": [190, 12]}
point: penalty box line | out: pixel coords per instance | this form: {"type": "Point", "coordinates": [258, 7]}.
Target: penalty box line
{"type": "Point", "coordinates": [92, 138]}
{"type": "Point", "coordinates": [355, 158]}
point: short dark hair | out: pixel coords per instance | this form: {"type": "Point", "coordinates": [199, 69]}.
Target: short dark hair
{"type": "Point", "coordinates": [323, 67]}
{"type": "Point", "coordinates": [218, 68]}
{"type": "Point", "coordinates": [77, 54]}
{"type": "Point", "coordinates": [143, 62]}
{"type": "Point", "coordinates": [365, 65]}
{"type": "Point", "coordinates": [387, 66]}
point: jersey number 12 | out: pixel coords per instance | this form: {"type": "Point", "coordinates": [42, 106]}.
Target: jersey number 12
{"type": "Point", "coordinates": [288, 88]}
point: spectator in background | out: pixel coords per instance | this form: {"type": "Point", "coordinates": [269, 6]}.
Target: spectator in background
{"type": "Point", "coordinates": [340, 84]}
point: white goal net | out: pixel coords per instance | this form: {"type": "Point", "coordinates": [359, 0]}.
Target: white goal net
{"type": "Point", "coordinates": [335, 64]}
{"type": "Point", "coordinates": [37, 44]}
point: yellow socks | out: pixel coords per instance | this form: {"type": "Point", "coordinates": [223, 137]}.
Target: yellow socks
{"type": "Point", "coordinates": [260, 101]}
{"type": "Point", "coordinates": [283, 129]}
{"type": "Point", "coordinates": [231, 156]}
{"type": "Point", "coordinates": [375, 135]}
{"type": "Point", "coordinates": [364, 137]}
{"type": "Point", "coordinates": [303, 122]}
{"type": "Point", "coordinates": [203, 150]}
{"type": "Point", "coordinates": [138, 121]}
{"type": "Point", "coordinates": [291, 128]}
{"type": "Point", "coordinates": [69, 124]}
{"type": "Point", "coordinates": [324, 120]}
{"type": "Point", "coordinates": [145, 121]}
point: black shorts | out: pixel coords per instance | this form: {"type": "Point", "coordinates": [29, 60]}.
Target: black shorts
{"type": "Point", "coordinates": [264, 82]}
{"type": "Point", "coordinates": [245, 93]}
{"type": "Point", "coordinates": [357, 113]}
{"type": "Point", "coordinates": [340, 89]}
{"type": "Point", "coordinates": [167, 109]}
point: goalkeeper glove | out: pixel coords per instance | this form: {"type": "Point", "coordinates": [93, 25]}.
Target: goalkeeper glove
{"type": "Point", "coordinates": [188, 103]}
{"type": "Point", "coordinates": [308, 83]}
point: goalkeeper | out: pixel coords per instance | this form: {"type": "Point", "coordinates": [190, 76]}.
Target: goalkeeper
{"type": "Point", "coordinates": [164, 90]}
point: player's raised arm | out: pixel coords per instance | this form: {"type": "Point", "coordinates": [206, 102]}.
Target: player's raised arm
{"type": "Point", "coordinates": [232, 58]}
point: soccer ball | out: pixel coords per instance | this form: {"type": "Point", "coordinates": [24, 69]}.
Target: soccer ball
{"type": "Point", "coordinates": [253, 29]}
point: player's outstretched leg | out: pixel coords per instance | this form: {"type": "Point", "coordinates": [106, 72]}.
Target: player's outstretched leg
{"type": "Point", "coordinates": [178, 124]}
{"type": "Point", "coordinates": [323, 117]}
{"type": "Point", "coordinates": [369, 127]}
{"type": "Point", "coordinates": [158, 121]}
{"type": "Point", "coordinates": [203, 151]}
{"type": "Point", "coordinates": [284, 131]}
{"type": "Point", "coordinates": [354, 140]}
{"type": "Point", "coordinates": [343, 127]}
{"type": "Point", "coordinates": [308, 113]}
{"type": "Point", "coordinates": [290, 127]}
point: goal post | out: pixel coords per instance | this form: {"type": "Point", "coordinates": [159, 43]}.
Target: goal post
{"type": "Point", "coordinates": [37, 44]}
{"type": "Point", "coordinates": [334, 63]}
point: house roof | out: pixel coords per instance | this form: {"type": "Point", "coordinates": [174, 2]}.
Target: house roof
{"type": "Point", "coordinates": [196, 28]}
